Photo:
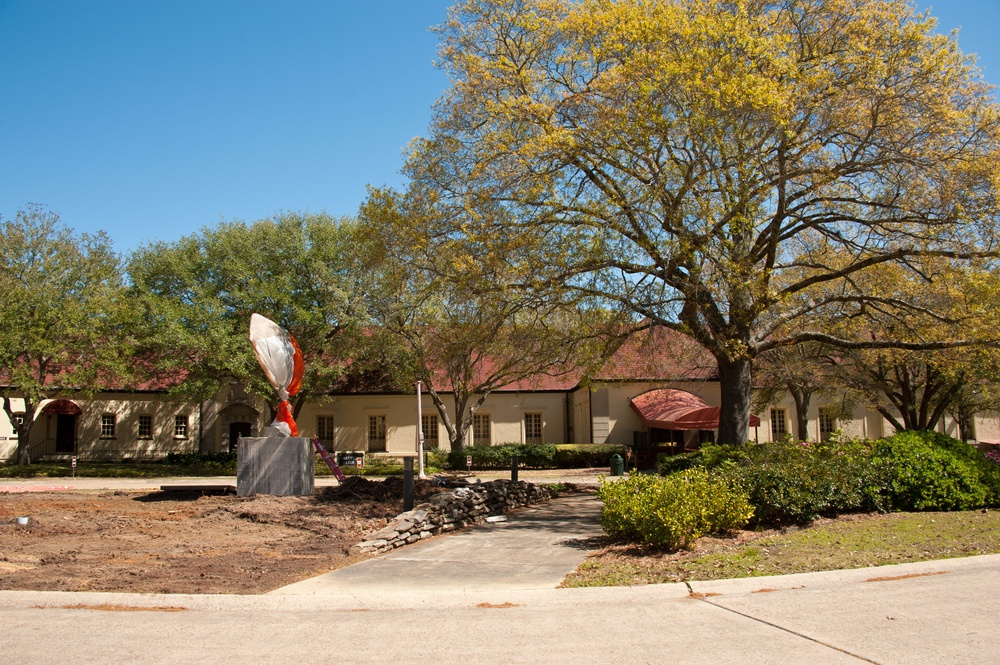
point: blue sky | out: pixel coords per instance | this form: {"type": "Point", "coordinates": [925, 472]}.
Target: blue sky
{"type": "Point", "coordinates": [150, 119]}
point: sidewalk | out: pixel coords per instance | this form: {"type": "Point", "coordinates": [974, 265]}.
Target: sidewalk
{"type": "Point", "coordinates": [486, 594]}
{"type": "Point", "coordinates": [931, 612]}
{"type": "Point", "coordinates": [534, 549]}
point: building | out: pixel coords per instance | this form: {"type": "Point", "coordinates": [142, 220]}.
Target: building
{"type": "Point", "coordinates": [653, 392]}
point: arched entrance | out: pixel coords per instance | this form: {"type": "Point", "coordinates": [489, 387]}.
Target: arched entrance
{"type": "Point", "coordinates": [236, 420]}
{"type": "Point", "coordinates": [66, 413]}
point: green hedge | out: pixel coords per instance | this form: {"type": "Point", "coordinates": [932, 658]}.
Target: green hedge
{"type": "Point", "coordinates": [796, 482]}
{"type": "Point", "coordinates": [930, 471]}
{"type": "Point", "coordinates": [530, 455]}
{"type": "Point", "coordinates": [671, 512]}
{"type": "Point", "coordinates": [586, 455]}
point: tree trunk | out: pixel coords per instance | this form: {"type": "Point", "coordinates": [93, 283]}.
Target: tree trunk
{"type": "Point", "coordinates": [734, 416]}
{"type": "Point", "coordinates": [23, 452]}
{"type": "Point", "coordinates": [802, 397]}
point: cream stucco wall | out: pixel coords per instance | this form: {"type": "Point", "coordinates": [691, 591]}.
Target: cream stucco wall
{"type": "Point", "coordinates": [506, 410]}
{"type": "Point", "coordinates": [125, 444]}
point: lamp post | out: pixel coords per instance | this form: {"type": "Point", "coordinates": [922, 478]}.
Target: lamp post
{"type": "Point", "coordinates": [420, 437]}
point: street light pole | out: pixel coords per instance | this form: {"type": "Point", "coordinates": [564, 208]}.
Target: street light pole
{"type": "Point", "coordinates": [420, 437]}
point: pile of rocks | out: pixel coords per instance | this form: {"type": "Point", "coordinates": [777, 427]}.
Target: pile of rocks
{"type": "Point", "coordinates": [447, 511]}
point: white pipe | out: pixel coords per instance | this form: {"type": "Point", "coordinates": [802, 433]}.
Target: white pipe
{"type": "Point", "coordinates": [420, 437]}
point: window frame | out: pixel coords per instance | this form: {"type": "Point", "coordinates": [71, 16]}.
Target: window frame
{"type": "Point", "coordinates": [373, 437]}
{"type": "Point", "coordinates": [477, 425]}
{"type": "Point", "coordinates": [534, 431]}
{"type": "Point", "coordinates": [109, 426]}
{"type": "Point", "coordinates": [430, 429]}
{"type": "Point", "coordinates": [828, 424]}
{"type": "Point", "coordinates": [779, 414]}
{"type": "Point", "coordinates": [147, 420]}
{"type": "Point", "coordinates": [182, 426]}
{"type": "Point", "coordinates": [18, 420]}
{"type": "Point", "coordinates": [324, 422]}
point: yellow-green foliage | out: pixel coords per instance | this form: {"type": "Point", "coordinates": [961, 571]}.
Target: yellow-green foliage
{"type": "Point", "coordinates": [671, 512]}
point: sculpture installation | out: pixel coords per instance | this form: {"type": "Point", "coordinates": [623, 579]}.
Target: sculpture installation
{"type": "Point", "coordinates": [281, 359]}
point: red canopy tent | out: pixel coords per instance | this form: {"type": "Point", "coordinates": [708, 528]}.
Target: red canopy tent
{"type": "Point", "coordinates": [678, 410]}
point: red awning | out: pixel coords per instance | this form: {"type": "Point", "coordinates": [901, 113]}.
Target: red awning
{"type": "Point", "coordinates": [62, 407]}
{"type": "Point", "coordinates": [679, 410]}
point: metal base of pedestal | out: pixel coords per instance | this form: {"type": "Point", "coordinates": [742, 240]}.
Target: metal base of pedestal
{"type": "Point", "coordinates": [283, 466]}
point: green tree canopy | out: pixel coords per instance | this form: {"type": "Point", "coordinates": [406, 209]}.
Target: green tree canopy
{"type": "Point", "coordinates": [725, 169]}
{"type": "Point", "coordinates": [199, 292]}
{"type": "Point", "coordinates": [445, 305]}
{"type": "Point", "coordinates": [67, 325]}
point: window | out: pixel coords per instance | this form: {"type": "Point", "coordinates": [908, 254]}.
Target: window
{"type": "Point", "coordinates": [376, 433]}
{"type": "Point", "coordinates": [108, 426]}
{"type": "Point", "coordinates": [481, 429]}
{"type": "Point", "coordinates": [324, 430]}
{"type": "Point", "coordinates": [429, 425]}
{"type": "Point", "coordinates": [145, 427]}
{"type": "Point", "coordinates": [532, 428]}
{"type": "Point", "coordinates": [180, 427]}
{"type": "Point", "coordinates": [827, 424]}
{"type": "Point", "coordinates": [779, 424]}
{"type": "Point", "coordinates": [18, 421]}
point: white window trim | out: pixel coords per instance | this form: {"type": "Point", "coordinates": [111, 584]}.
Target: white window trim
{"type": "Point", "coordinates": [776, 435]}
{"type": "Point", "coordinates": [541, 425]}
{"type": "Point", "coordinates": [375, 413]}
{"type": "Point", "coordinates": [472, 430]}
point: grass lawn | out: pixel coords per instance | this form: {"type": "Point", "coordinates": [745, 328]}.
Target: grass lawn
{"type": "Point", "coordinates": [850, 541]}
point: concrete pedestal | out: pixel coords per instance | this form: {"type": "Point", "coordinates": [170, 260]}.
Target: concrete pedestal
{"type": "Point", "coordinates": [275, 465]}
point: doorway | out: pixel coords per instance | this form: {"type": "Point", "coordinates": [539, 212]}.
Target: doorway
{"type": "Point", "coordinates": [65, 433]}
{"type": "Point", "coordinates": [236, 430]}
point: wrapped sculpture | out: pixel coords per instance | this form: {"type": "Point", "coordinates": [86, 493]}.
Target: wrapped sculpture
{"type": "Point", "coordinates": [281, 359]}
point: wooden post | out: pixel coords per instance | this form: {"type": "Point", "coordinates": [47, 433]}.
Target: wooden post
{"type": "Point", "coordinates": [407, 484]}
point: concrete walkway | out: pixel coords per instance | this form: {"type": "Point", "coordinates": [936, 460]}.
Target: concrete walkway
{"type": "Point", "coordinates": [534, 549]}
{"type": "Point", "coordinates": [933, 612]}
{"type": "Point", "coordinates": [487, 595]}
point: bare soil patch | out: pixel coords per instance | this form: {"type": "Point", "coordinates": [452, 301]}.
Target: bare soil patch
{"type": "Point", "coordinates": [186, 543]}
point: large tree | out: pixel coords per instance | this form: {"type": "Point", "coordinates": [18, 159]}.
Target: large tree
{"type": "Point", "coordinates": [725, 169]}
{"type": "Point", "coordinates": [66, 321]}
{"type": "Point", "coordinates": [445, 303]}
{"type": "Point", "coordinates": [914, 389]}
{"type": "Point", "coordinates": [200, 291]}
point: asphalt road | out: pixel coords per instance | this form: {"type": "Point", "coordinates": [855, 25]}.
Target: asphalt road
{"type": "Point", "coordinates": [486, 595]}
{"type": "Point", "coordinates": [931, 612]}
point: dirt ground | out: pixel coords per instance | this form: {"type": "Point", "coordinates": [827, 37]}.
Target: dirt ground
{"type": "Point", "coordinates": [187, 543]}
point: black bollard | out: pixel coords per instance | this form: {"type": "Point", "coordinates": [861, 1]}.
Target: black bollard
{"type": "Point", "coordinates": [407, 484]}
{"type": "Point", "coordinates": [513, 468]}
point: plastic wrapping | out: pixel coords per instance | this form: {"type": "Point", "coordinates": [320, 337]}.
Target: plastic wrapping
{"type": "Point", "coordinates": [281, 359]}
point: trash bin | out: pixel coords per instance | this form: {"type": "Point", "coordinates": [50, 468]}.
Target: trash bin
{"type": "Point", "coordinates": [617, 465]}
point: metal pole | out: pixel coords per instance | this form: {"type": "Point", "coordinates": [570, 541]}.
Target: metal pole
{"type": "Point", "coordinates": [513, 468]}
{"type": "Point", "coordinates": [407, 484]}
{"type": "Point", "coordinates": [420, 437]}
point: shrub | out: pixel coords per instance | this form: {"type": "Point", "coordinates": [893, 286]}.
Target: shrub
{"type": "Point", "coordinates": [796, 482]}
{"type": "Point", "coordinates": [581, 456]}
{"type": "Point", "coordinates": [671, 512]}
{"type": "Point", "coordinates": [530, 455]}
{"type": "Point", "coordinates": [929, 471]}
{"type": "Point", "coordinates": [437, 458]}
{"type": "Point", "coordinates": [668, 464]}
{"type": "Point", "coordinates": [200, 459]}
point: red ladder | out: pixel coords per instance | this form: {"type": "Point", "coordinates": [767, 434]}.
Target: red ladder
{"type": "Point", "coordinates": [337, 473]}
